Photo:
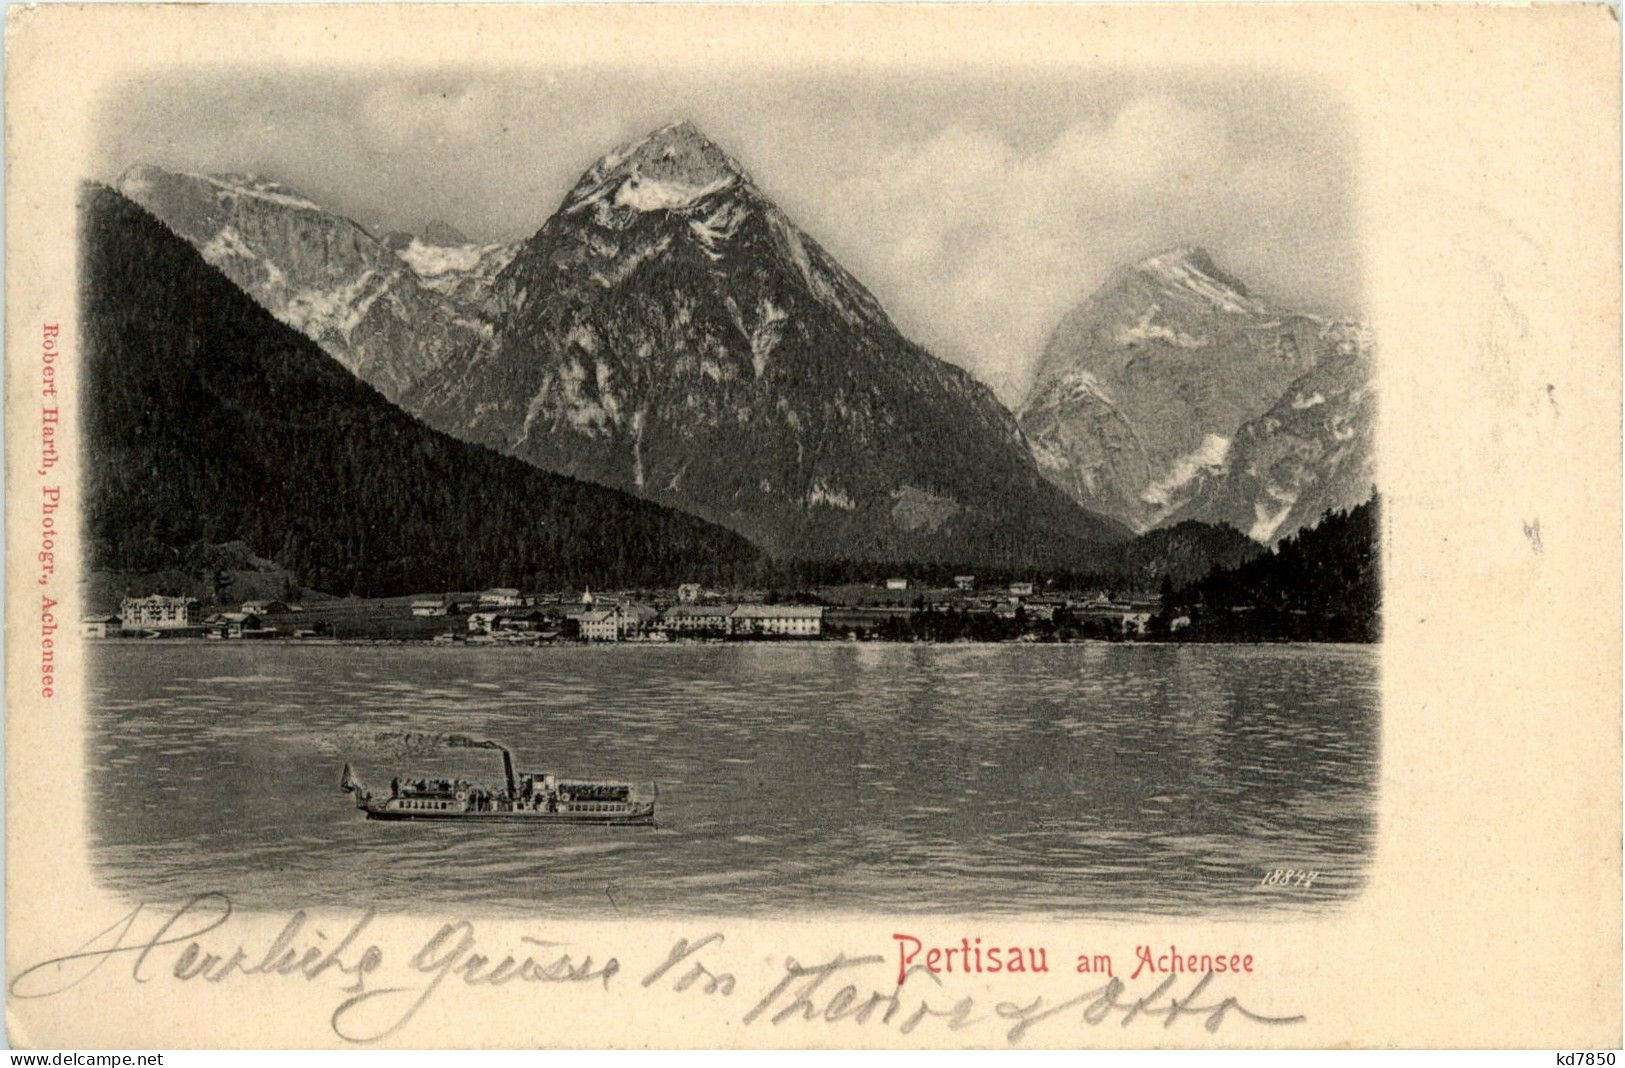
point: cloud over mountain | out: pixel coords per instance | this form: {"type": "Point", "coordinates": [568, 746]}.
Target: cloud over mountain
{"type": "Point", "coordinates": [977, 208]}
{"type": "Point", "coordinates": [1006, 236]}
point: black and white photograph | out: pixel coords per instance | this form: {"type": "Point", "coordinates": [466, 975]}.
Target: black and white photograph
{"type": "Point", "coordinates": [735, 493]}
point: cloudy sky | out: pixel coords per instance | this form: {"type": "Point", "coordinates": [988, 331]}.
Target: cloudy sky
{"type": "Point", "coordinates": [978, 208]}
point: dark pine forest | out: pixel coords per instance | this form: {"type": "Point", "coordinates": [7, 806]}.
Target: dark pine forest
{"type": "Point", "coordinates": [1323, 583]}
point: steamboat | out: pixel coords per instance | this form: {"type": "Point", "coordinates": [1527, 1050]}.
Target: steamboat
{"type": "Point", "coordinates": [539, 797]}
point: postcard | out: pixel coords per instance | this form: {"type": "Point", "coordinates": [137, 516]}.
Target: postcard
{"type": "Point", "coordinates": [812, 526]}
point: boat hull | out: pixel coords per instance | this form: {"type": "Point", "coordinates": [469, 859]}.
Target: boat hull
{"type": "Point", "coordinates": [644, 818]}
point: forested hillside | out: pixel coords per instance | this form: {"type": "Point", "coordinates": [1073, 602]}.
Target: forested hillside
{"type": "Point", "coordinates": [208, 421]}
{"type": "Point", "coordinates": [1321, 584]}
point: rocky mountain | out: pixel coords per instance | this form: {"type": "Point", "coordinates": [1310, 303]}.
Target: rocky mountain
{"type": "Point", "coordinates": [1311, 453]}
{"type": "Point", "coordinates": [388, 316]}
{"type": "Point", "coordinates": [1144, 388]}
{"type": "Point", "coordinates": [671, 332]}
{"type": "Point", "coordinates": [207, 422]}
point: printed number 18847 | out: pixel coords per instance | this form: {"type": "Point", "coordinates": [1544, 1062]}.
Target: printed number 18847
{"type": "Point", "coordinates": [1289, 877]}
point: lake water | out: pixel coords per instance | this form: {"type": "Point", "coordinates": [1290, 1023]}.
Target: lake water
{"type": "Point", "coordinates": [1088, 779]}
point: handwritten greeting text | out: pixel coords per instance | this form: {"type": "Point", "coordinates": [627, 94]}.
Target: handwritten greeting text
{"type": "Point", "coordinates": [378, 991]}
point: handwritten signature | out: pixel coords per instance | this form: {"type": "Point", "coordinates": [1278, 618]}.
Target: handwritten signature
{"type": "Point", "coordinates": [148, 943]}
{"type": "Point", "coordinates": [1110, 1001]}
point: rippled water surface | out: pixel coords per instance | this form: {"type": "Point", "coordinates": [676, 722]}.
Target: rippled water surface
{"type": "Point", "coordinates": [1060, 779]}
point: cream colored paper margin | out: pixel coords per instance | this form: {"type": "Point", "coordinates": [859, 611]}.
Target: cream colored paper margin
{"type": "Point", "coordinates": [1489, 183]}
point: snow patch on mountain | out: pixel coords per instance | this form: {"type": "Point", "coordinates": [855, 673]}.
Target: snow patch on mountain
{"type": "Point", "coordinates": [635, 424]}
{"type": "Point", "coordinates": [315, 312]}
{"type": "Point", "coordinates": [719, 225]}
{"type": "Point", "coordinates": [1079, 383]}
{"type": "Point", "coordinates": [648, 194]}
{"type": "Point", "coordinates": [1049, 457]}
{"type": "Point", "coordinates": [259, 189]}
{"type": "Point", "coordinates": [534, 409]}
{"type": "Point", "coordinates": [1191, 270]}
{"type": "Point", "coordinates": [1206, 457]}
{"type": "Point", "coordinates": [431, 261]}
{"type": "Point", "coordinates": [581, 410]}
{"type": "Point", "coordinates": [769, 328]}
{"type": "Point", "coordinates": [1148, 330]}
{"type": "Point", "coordinates": [1267, 521]}
{"type": "Point", "coordinates": [227, 243]}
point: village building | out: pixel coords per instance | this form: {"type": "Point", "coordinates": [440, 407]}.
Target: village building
{"type": "Point", "coordinates": [237, 625]}
{"type": "Point", "coordinates": [689, 593]}
{"type": "Point", "coordinates": [600, 625]}
{"type": "Point", "coordinates": [439, 606]}
{"type": "Point", "coordinates": [508, 622]}
{"type": "Point", "coordinates": [158, 612]}
{"type": "Point", "coordinates": [100, 626]}
{"type": "Point", "coordinates": [483, 622]}
{"type": "Point", "coordinates": [637, 619]}
{"type": "Point", "coordinates": [1021, 589]}
{"type": "Point", "coordinates": [897, 584]}
{"type": "Point", "coordinates": [1137, 619]}
{"type": "Point", "coordinates": [265, 608]}
{"type": "Point", "coordinates": [777, 620]}
{"type": "Point", "coordinates": [867, 618]}
{"type": "Point", "coordinates": [683, 619]}
{"type": "Point", "coordinates": [503, 597]}
{"type": "Point", "coordinates": [522, 622]}
{"type": "Point", "coordinates": [1129, 618]}
{"type": "Point", "coordinates": [965, 582]}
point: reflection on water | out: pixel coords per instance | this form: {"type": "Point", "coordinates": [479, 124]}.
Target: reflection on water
{"type": "Point", "coordinates": [1075, 779]}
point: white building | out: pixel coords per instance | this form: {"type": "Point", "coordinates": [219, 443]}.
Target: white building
{"type": "Point", "coordinates": [101, 626]}
{"type": "Point", "coordinates": [688, 593]}
{"type": "Point", "coordinates": [897, 584]}
{"type": "Point", "coordinates": [159, 612]}
{"type": "Point", "coordinates": [697, 618]}
{"type": "Point", "coordinates": [601, 625]}
{"type": "Point", "coordinates": [777, 620]}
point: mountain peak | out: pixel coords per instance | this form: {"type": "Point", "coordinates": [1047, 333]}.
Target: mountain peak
{"type": "Point", "coordinates": [668, 169]}
{"type": "Point", "coordinates": [138, 174]}
{"type": "Point", "coordinates": [443, 235]}
{"type": "Point", "coordinates": [1191, 269]}
{"type": "Point", "coordinates": [677, 145]}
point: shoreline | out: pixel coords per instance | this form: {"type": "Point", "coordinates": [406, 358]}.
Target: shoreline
{"type": "Point", "coordinates": [684, 643]}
